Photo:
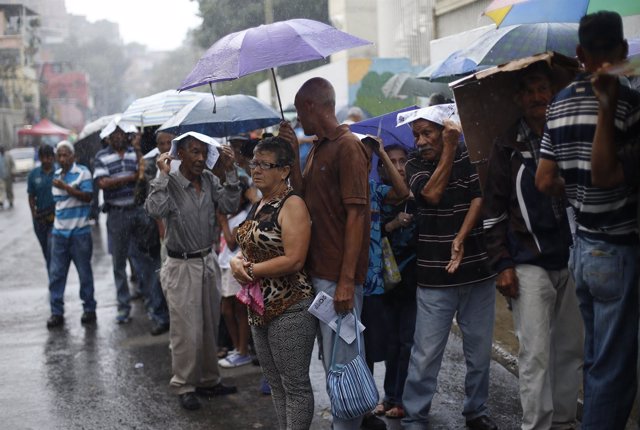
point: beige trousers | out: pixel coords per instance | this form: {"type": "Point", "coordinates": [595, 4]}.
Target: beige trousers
{"type": "Point", "coordinates": [190, 287]}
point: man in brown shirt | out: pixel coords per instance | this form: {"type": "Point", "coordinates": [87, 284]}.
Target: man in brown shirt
{"type": "Point", "coordinates": [335, 188]}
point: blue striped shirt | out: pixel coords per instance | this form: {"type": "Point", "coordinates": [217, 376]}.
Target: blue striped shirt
{"type": "Point", "coordinates": [605, 214]}
{"type": "Point", "coordinates": [71, 213]}
{"type": "Point", "coordinates": [108, 163]}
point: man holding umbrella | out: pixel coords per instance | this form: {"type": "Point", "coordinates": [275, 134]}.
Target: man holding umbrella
{"type": "Point", "coordinates": [335, 187]}
{"type": "Point", "coordinates": [187, 200]}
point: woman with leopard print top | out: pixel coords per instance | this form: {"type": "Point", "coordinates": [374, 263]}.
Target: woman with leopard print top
{"type": "Point", "coordinates": [274, 241]}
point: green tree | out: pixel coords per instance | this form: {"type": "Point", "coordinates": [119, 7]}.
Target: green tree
{"type": "Point", "coordinates": [370, 97]}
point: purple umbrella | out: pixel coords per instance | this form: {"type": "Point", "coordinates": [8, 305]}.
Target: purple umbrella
{"type": "Point", "coordinates": [266, 47]}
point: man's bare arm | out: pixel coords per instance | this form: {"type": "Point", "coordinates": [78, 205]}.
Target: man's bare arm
{"type": "Point", "coordinates": [343, 299]}
{"type": "Point", "coordinates": [548, 179]}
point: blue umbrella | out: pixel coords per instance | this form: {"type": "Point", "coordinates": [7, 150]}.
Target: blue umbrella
{"type": "Point", "coordinates": [384, 126]}
{"type": "Point", "coordinates": [222, 116]}
{"type": "Point", "coordinates": [499, 46]}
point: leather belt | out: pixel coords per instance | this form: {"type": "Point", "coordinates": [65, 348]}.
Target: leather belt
{"type": "Point", "coordinates": [188, 255]}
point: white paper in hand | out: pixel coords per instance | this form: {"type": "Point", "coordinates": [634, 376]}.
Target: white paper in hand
{"type": "Point", "coordinates": [322, 308]}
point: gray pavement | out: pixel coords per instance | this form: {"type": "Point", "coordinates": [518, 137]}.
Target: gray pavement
{"type": "Point", "coordinates": [116, 377]}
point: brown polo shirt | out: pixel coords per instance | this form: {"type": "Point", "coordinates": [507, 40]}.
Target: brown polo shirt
{"type": "Point", "coordinates": [336, 174]}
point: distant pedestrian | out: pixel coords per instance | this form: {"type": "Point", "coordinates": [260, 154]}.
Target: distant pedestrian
{"type": "Point", "coordinates": [335, 188]}
{"type": "Point", "coordinates": [71, 237]}
{"type": "Point", "coordinates": [453, 275]}
{"type": "Point", "coordinates": [3, 173]}
{"type": "Point", "coordinates": [43, 208]}
{"type": "Point", "coordinates": [274, 241]}
{"type": "Point", "coordinates": [10, 166]}
{"type": "Point", "coordinates": [187, 200]}
{"type": "Point", "coordinates": [606, 249]}
{"type": "Point", "coordinates": [528, 239]}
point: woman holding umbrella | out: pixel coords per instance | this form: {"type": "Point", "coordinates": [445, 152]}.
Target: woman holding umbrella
{"type": "Point", "coordinates": [274, 241]}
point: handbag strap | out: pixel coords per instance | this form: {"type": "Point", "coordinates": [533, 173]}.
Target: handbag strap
{"type": "Point", "coordinates": [337, 336]}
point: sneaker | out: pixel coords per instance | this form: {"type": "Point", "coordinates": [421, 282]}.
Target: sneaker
{"type": "Point", "coordinates": [122, 317]}
{"type": "Point", "coordinates": [265, 388]}
{"type": "Point", "coordinates": [234, 360]}
{"type": "Point", "coordinates": [55, 321]}
{"type": "Point", "coordinates": [88, 318]}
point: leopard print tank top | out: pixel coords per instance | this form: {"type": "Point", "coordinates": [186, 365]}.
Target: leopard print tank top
{"type": "Point", "coordinates": [260, 239]}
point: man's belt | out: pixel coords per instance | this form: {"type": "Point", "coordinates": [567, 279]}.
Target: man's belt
{"type": "Point", "coordinates": [188, 255]}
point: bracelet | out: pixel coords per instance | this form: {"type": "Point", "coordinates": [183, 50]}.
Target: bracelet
{"type": "Point", "coordinates": [250, 270]}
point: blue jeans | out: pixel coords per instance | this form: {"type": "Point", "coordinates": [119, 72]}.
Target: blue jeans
{"type": "Point", "coordinates": [64, 250]}
{"type": "Point", "coordinates": [606, 277]}
{"type": "Point", "coordinates": [346, 353]}
{"type": "Point", "coordinates": [147, 267]}
{"type": "Point", "coordinates": [473, 306]}
{"type": "Point", "coordinates": [43, 233]}
{"type": "Point", "coordinates": [120, 226]}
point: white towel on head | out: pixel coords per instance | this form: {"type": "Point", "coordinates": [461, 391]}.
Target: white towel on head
{"type": "Point", "coordinates": [436, 114]}
{"type": "Point", "coordinates": [212, 154]}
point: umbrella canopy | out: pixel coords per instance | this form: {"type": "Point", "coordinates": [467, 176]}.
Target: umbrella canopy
{"type": "Point", "coordinates": [44, 128]}
{"type": "Point", "coordinates": [506, 44]}
{"type": "Point", "coordinates": [156, 109]}
{"type": "Point", "coordinates": [510, 12]}
{"type": "Point", "coordinates": [266, 47]}
{"type": "Point", "coordinates": [405, 84]}
{"type": "Point", "coordinates": [95, 126]}
{"type": "Point", "coordinates": [222, 116]}
{"type": "Point", "coordinates": [634, 47]}
{"type": "Point", "coordinates": [384, 126]}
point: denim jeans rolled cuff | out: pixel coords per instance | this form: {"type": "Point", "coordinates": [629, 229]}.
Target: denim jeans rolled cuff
{"type": "Point", "coordinates": [346, 353]}
{"type": "Point", "coordinates": [473, 306]}
{"type": "Point", "coordinates": [64, 250]}
{"type": "Point", "coordinates": [606, 277]}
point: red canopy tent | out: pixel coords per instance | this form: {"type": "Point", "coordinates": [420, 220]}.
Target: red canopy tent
{"type": "Point", "coordinates": [44, 128]}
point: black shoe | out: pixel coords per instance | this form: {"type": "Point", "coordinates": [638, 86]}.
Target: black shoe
{"type": "Point", "coordinates": [88, 318]}
{"type": "Point", "coordinates": [216, 390]}
{"type": "Point", "coordinates": [189, 401]}
{"type": "Point", "coordinates": [482, 422]}
{"type": "Point", "coordinates": [159, 328]}
{"type": "Point", "coordinates": [55, 321]}
{"type": "Point", "coordinates": [371, 422]}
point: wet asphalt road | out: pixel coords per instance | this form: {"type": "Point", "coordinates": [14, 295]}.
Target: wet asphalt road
{"type": "Point", "coordinates": [116, 377]}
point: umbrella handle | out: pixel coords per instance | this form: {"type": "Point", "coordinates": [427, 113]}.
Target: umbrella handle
{"type": "Point", "coordinates": [275, 82]}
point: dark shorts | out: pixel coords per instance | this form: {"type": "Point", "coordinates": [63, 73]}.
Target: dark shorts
{"type": "Point", "coordinates": [375, 335]}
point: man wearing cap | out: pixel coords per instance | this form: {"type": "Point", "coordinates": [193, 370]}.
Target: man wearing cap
{"type": "Point", "coordinates": [453, 275]}
{"type": "Point", "coordinates": [116, 172]}
{"type": "Point", "coordinates": [604, 260]}
{"type": "Point", "coordinates": [528, 240]}
{"type": "Point", "coordinates": [187, 200]}
{"type": "Point", "coordinates": [71, 235]}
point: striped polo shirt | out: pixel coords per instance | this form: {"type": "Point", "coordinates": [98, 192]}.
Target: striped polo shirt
{"type": "Point", "coordinates": [72, 214]}
{"type": "Point", "coordinates": [439, 224]}
{"type": "Point", "coordinates": [603, 214]}
{"type": "Point", "coordinates": [108, 163]}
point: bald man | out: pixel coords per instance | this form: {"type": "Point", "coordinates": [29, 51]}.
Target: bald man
{"type": "Point", "coordinates": [335, 188]}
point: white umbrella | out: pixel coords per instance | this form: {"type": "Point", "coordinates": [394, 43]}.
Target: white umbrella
{"type": "Point", "coordinates": [156, 109]}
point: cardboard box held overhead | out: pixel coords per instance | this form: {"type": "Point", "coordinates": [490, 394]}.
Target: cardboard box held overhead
{"type": "Point", "coordinates": [486, 101]}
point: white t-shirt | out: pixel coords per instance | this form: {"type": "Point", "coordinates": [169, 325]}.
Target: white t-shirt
{"type": "Point", "coordinates": [226, 254]}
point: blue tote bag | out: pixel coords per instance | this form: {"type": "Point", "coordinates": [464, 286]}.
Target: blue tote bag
{"type": "Point", "coordinates": [351, 388]}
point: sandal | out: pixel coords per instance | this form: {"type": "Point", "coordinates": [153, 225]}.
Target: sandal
{"type": "Point", "coordinates": [382, 408]}
{"type": "Point", "coordinates": [395, 412]}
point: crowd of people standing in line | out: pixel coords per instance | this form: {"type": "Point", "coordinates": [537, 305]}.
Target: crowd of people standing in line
{"type": "Point", "coordinates": [290, 232]}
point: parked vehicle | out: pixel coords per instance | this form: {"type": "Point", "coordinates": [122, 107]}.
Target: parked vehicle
{"type": "Point", "coordinates": [23, 160]}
